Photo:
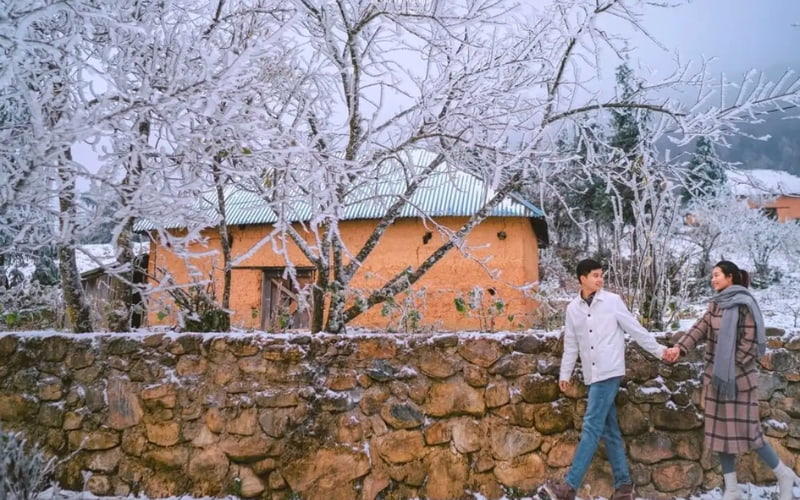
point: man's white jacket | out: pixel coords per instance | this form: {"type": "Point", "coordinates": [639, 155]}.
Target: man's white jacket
{"type": "Point", "coordinates": [596, 333]}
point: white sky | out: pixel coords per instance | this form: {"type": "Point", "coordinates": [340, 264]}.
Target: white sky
{"type": "Point", "coordinates": [740, 34]}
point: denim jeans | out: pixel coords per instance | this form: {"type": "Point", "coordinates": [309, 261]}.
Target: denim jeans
{"type": "Point", "coordinates": [600, 422]}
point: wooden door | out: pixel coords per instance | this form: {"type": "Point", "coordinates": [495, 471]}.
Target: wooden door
{"type": "Point", "coordinates": [281, 304]}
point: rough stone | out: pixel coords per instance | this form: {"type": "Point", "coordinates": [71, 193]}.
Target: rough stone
{"type": "Point", "coordinates": [553, 418]}
{"type": "Point", "coordinates": [673, 476]}
{"type": "Point", "coordinates": [651, 391]}
{"type": "Point", "coordinates": [437, 433]}
{"type": "Point", "coordinates": [497, 394]}
{"type": "Point", "coordinates": [244, 424]}
{"type": "Point", "coordinates": [209, 466]}
{"type": "Point", "coordinates": [98, 485]}
{"type": "Point", "coordinates": [163, 394]}
{"type": "Point", "coordinates": [341, 380]}
{"type": "Point", "coordinates": [402, 415]}
{"type": "Point", "coordinates": [467, 435]}
{"type": "Point", "coordinates": [676, 419]}
{"type": "Point", "coordinates": [433, 363]}
{"type": "Point", "coordinates": [481, 351]}
{"type": "Point", "coordinates": [508, 442]}
{"type": "Point", "coordinates": [163, 434]}
{"type": "Point", "coordinates": [92, 441]}
{"type": "Point", "coordinates": [327, 473]}
{"type": "Point", "coordinates": [174, 457]}
{"type": "Point", "coordinates": [651, 448]}
{"type": "Point", "coordinates": [779, 360]}
{"type": "Point", "coordinates": [104, 461]}
{"type": "Point", "coordinates": [250, 449]}
{"type": "Point", "coordinates": [401, 446]}
{"type": "Point", "coordinates": [632, 420]}
{"type": "Point", "coordinates": [375, 482]}
{"type": "Point", "coordinates": [514, 365]}
{"type": "Point", "coordinates": [451, 473]}
{"type": "Point", "coordinates": [475, 376]}
{"type": "Point", "coordinates": [191, 365]}
{"type": "Point", "coordinates": [538, 389]}
{"type": "Point", "coordinates": [51, 415]}
{"type": "Point", "coordinates": [123, 406]}
{"type": "Point", "coordinates": [454, 398]}
{"type": "Point", "coordinates": [525, 472]}
{"type": "Point", "coordinates": [562, 453]}
{"type": "Point", "coordinates": [251, 485]}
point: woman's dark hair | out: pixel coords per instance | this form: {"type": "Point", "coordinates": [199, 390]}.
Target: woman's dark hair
{"type": "Point", "coordinates": [586, 266]}
{"type": "Point", "coordinates": [740, 276]}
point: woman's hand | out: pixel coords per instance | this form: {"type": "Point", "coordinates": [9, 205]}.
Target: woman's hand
{"type": "Point", "coordinates": [671, 354]}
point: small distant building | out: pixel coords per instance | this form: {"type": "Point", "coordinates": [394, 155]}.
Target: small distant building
{"type": "Point", "coordinates": [93, 261]}
{"type": "Point", "coordinates": [775, 192]}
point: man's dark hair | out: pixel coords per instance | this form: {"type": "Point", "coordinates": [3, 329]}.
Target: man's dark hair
{"type": "Point", "coordinates": [586, 266]}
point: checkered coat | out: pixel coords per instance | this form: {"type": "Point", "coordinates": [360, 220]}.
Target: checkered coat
{"type": "Point", "coordinates": [730, 426]}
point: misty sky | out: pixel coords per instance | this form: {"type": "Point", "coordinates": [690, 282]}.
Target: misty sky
{"type": "Point", "coordinates": [741, 34]}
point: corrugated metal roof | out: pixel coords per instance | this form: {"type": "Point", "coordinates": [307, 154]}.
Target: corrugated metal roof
{"type": "Point", "coordinates": [447, 192]}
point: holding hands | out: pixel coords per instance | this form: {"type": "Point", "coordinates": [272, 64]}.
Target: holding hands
{"type": "Point", "coordinates": [671, 354]}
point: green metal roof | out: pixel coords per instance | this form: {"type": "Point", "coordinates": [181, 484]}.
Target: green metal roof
{"type": "Point", "coordinates": [447, 192]}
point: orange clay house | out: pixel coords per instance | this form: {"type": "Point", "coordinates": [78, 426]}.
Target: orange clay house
{"type": "Point", "coordinates": [775, 192]}
{"type": "Point", "coordinates": [487, 286]}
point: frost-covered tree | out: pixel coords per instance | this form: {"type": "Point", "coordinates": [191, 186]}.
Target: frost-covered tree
{"type": "Point", "coordinates": [724, 224]}
{"type": "Point", "coordinates": [705, 175]}
{"type": "Point", "coordinates": [41, 86]}
{"type": "Point", "coordinates": [305, 102]}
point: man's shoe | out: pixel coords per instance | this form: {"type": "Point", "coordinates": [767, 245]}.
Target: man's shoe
{"type": "Point", "coordinates": [625, 492]}
{"type": "Point", "coordinates": [559, 491]}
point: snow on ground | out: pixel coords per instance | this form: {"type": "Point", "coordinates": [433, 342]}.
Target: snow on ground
{"type": "Point", "coordinates": [749, 492]}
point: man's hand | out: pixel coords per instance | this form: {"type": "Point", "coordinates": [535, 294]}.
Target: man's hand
{"type": "Point", "coordinates": [671, 354]}
{"type": "Point", "coordinates": [563, 385]}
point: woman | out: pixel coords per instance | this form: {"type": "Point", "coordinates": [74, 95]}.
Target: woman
{"type": "Point", "coordinates": [733, 330]}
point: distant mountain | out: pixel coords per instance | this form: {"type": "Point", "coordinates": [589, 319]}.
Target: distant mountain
{"type": "Point", "coordinates": [781, 151]}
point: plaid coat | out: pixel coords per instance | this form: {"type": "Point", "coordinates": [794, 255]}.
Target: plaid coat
{"type": "Point", "coordinates": [730, 426]}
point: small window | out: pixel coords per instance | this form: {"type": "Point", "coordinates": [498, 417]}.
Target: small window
{"type": "Point", "coordinates": [770, 212]}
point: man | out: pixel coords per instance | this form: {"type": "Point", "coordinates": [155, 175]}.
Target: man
{"type": "Point", "coordinates": [595, 327]}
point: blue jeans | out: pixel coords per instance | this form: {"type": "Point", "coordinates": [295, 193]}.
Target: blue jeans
{"type": "Point", "coordinates": [600, 422]}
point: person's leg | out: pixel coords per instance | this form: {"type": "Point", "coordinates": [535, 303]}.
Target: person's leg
{"type": "Point", "coordinates": [731, 484]}
{"type": "Point", "coordinates": [768, 455]}
{"type": "Point", "coordinates": [615, 448]}
{"type": "Point", "coordinates": [600, 400]}
{"type": "Point", "coordinates": [728, 462]}
{"type": "Point", "coordinates": [785, 475]}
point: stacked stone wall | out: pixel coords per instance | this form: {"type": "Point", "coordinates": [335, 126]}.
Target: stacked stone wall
{"type": "Point", "coordinates": [388, 416]}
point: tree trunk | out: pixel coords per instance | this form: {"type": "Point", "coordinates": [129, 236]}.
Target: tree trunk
{"type": "Point", "coordinates": [318, 299]}
{"type": "Point", "coordinates": [224, 236]}
{"type": "Point", "coordinates": [336, 322]}
{"type": "Point", "coordinates": [119, 312]}
{"type": "Point", "coordinates": [78, 312]}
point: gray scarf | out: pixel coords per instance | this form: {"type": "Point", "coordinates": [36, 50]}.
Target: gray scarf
{"type": "Point", "coordinates": [729, 300]}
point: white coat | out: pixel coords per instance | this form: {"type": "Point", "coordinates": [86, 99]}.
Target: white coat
{"type": "Point", "coordinates": [596, 333]}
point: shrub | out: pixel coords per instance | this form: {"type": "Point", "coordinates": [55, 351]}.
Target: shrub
{"type": "Point", "coordinates": [24, 469]}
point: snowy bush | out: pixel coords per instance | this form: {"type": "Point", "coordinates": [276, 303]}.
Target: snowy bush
{"type": "Point", "coordinates": [30, 305]}
{"type": "Point", "coordinates": [24, 468]}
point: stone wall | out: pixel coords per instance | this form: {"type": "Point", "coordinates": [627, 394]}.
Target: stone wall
{"type": "Point", "coordinates": [358, 416]}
